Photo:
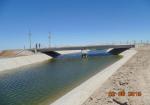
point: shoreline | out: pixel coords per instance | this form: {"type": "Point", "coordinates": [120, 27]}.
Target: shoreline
{"type": "Point", "coordinates": [80, 94]}
{"type": "Point", "coordinates": [16, 62]}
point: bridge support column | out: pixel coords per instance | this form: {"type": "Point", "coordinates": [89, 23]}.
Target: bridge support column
{"type": "Point", "coordinates": [84, 54]}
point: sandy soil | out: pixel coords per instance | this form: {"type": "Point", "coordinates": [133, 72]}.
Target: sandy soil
{"type": "Point", "coordinates": [130, 85]}
{"type": "Point", "coordinates": [14, 53]}
{"type": "Point", "coordinates": [6, 53]}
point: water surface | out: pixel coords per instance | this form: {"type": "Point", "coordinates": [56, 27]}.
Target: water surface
{"type": "Point", "coordinates": [42, 83]}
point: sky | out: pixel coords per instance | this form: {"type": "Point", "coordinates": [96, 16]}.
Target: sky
{"type": "Point", "coordinates": [72, 22]}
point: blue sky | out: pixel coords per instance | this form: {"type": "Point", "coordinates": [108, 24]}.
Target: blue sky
{"type": "Point", "coordinates": [73, 22]}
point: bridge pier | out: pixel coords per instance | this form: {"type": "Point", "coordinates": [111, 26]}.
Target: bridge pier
{"type": "Point", "coordinates": [84, 53]}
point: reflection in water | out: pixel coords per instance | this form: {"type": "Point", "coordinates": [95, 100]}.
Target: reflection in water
{"type": "Point", "coordinates": [42, 83]}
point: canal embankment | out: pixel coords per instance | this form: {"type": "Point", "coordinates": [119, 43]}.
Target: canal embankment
{"type": "Point", "coordinates": [80, 94]}
{"type": "Point", "coordinates": [132, 79]}
{"type": "Point", "coordinates": [15, 62]}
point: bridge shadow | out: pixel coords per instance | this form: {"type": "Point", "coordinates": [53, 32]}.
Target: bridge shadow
{"type": "Point", "coordinates": [52, 54]}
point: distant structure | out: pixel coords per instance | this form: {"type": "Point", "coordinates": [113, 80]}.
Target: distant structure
{"type": "Point", "coordinates": [49, 39]}
{"type": "Point", "coordinates": [39, 45]}
{"type": "Point", "coordinates": [24, 47]}
{"type": "Point", "coordinates": [29, 35]}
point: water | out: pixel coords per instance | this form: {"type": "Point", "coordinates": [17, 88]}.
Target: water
{"type": "Point", "coordinates": [42, 83]}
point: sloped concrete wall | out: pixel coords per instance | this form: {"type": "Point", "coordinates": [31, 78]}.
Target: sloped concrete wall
{"type": "Point", "coordinates": [11, 63]}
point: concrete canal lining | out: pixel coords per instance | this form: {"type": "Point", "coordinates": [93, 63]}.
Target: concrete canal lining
{"type": "Point", "coordinates": [80, 94]}
{"type": "Point", "coordinates": [11, 63]}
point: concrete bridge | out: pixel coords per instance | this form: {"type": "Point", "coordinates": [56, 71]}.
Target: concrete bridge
{"type": "Point", "coordinates": [114, 49]}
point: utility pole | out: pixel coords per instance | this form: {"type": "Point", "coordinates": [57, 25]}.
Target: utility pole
{"type": "Point", "coordinates": [49, 39]}
{"type": "Point", "coordinates": [29, 34]}
{"type": "Point", "coordinates": [127, 42]}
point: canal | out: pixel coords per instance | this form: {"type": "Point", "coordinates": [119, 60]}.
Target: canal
{"type": "Point", "coordinates": [43, 83]}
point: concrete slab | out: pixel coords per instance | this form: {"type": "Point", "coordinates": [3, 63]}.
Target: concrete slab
{"type": "Point", "coordinates": [11, 63]}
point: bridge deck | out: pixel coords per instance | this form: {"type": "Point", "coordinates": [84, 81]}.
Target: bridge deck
{"type": "Point", "coordinates": [98, 47]}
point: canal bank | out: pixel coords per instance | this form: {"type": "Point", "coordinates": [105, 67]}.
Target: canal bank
{"type": "Point", "coordinates": [132, 77]}
{"type": "Point", "coordinates": [15, 62]}
{"type": "Point", "coordinates": [80, 94]}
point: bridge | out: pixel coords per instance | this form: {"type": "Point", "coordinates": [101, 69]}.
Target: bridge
{"type": "Point", "coordinates": [115, 49]}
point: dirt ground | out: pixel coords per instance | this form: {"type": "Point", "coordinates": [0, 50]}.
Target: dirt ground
{"type": "Point", "coordinates": [7, 53]}
{"type": "Point", "coordinates": [14, 53]}
{"type": "Point", "coordinates": [130, 85]}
